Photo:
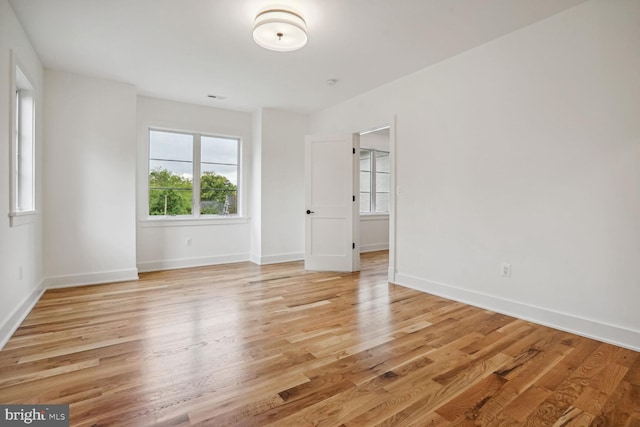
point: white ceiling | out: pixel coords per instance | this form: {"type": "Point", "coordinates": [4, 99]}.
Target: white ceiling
{"type": "Point", "coordinates": [186, 49]}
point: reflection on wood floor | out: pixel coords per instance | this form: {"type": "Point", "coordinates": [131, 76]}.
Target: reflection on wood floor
{"type": "Point", "coordinates": [248, 345]}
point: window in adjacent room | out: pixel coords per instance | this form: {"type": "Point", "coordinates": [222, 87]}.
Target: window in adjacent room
{"type": "Point", "coordinates": [374, 181]}
{"type": "Point", "coordinates": [23, 150]}
{"type": "Point", "coordinates": [192, 175]}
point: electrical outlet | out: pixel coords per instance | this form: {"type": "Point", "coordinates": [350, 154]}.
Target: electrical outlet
{"type": "Point", "coordinates": [189, 241]}
{"type": "Point", "coordinates": [505, 269]}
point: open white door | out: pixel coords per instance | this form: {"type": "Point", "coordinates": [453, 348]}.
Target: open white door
{"type": "Point", "coordinates": [331, 226]}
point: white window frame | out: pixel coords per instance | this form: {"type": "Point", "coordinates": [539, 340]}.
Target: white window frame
{"type": "Point", "coordinates": [23, 145]}
{"type": "Point", "coordinates": [372, 182]}
{"type": "Point", "coordinates": [195, 217]}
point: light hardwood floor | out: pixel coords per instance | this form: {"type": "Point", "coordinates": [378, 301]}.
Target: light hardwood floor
{"type": "Point", "coordinates": [244, 345]}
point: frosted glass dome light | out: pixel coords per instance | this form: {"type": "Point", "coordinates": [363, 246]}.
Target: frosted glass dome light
{"type": "Point", "coordinates": [280, 30]}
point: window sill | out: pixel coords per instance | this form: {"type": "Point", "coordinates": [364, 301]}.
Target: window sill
{"type": "Point", "coordinates": [17, 219]}
{"type": "Point", "coordinates": [192, 222]}
{"type": "Point", "coordinates": [373, 217]}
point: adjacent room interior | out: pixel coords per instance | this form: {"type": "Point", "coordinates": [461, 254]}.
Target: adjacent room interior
{"type": "Point", "coordinates": [156, 227]}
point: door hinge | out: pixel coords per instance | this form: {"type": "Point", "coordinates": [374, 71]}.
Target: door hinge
{"type": "Point", "coordinates": [354, 150]}
{"type": "Point", "coordinates": [353, 246]}
{"type": "Point", "coordinates": [354, 198]}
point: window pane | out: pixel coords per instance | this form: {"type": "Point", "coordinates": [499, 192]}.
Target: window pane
{"type": "Point", "coordinates": [25, 151]}
{"type": "Point", "coordinates": [365, 182]}
{"type": "Point", "coordinates": [218, 195]}
{"type": "Point", "coordinates": [382, 202]}
{"type": "Point", "coordinates": [382, 161]}
{"type": "Point", "coordinates": [170, 173]}
{"type": "Point", "coordinates": [365, 160]}
{"type": "Point", "coordinates": [171, 146]}
{"type": "Point", "coordinates": [219, 150]}
{"type": "Point", "coordinates": [382, 182]}
{"type": "Point", "coordinates": [365, 202]}
{"type": "Point", "coordinates": [219, 176]}
{"type": "Point", "coordinates": [23, 146]}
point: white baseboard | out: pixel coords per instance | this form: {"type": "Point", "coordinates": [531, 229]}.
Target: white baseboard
{"type": "Point", "coordinates": [70, 280]}
{"type": "Point", "coordinates": [15, 319]}
{"type": "Point", "coordinates": [277, 259]}
{"type": "Point", "coordinates": [173, 264]}
{"type": "Point", "coordinates": [374, 247]}
{"type": "Point", "coordinates": [589, 328]}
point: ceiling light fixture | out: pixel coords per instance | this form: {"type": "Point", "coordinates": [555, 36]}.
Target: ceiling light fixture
{"type": "Point", "coordinates": [280, 29]}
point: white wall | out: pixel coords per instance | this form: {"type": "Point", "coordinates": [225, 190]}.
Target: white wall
{"type": "Point", "coordinates": [20, 246]}
{"type": "Point", "coordinates": [525, 150]}
{"type": "Point", "coordinates": [89, 191]}
{"type": "Point", "coordinates": [281, 186]}
{"type": "Point", "coordinates": [374, 233]}
{"type": "Point", "coordinates": [374, 229]}
{"type": "Point", "coordinates": [163, 245]}
{"type": "Point", "coordinates": [255, 192]}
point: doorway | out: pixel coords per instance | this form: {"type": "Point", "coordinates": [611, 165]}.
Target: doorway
{"type": "Point", "coordinates": [376, 190]}
{"type": "Point", "coordinates": [332, 182]}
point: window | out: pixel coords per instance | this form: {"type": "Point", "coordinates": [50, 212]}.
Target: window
{"type": "Point", "coordinates": [374, 181]}
{"type": "Point", "coordinates": [191, 174]}
{"type": "Point", "coordinates": [23, 149]}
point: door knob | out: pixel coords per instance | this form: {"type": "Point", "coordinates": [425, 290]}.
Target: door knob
{"type": "Point", "coordinates": [309, 212]}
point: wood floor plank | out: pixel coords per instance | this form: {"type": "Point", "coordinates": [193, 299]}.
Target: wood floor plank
{"type": "Point", "coordinates": [248, 345]}
{"type": "Point", "coordinates": [524, 404]}
{"type": "Point", "coordinates": [472, 400]}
